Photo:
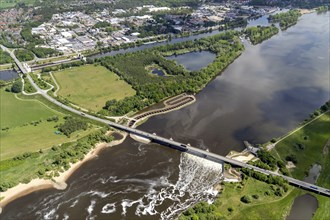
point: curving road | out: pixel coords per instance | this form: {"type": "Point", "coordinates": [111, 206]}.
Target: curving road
{"type": "Point", "coordinates": [173, 144]}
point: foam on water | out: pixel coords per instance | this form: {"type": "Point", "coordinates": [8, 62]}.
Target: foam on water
{"type": "Point", "coordinates": [195, 183]}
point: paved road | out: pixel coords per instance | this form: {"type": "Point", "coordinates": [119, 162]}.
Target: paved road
{"type": "Point", "coordinates": [176, 145]}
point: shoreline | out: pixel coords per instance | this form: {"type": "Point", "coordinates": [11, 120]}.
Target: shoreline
{"type": "Point", "coordinates": [23, 189]}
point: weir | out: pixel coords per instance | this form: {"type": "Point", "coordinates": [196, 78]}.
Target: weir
{"type": "Point", "coordinates": [170, 143]}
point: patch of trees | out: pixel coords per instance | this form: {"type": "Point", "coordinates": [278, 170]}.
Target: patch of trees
{"type": "Point", "coordinates": [322, 9]}
{"type": "Point", "coordinates": [24, 55]}
{"type": "Point", "coordinates": [5, 57]}
{"type": "Point", "coordinates": [17, 86]}
{"type": "Point", "coordinates": [286, 19]}
{"type": "Point", "coordinates": [63, 66]}
{"type": "Point", "coordinates": [6, 39]}
{"type": "Point", "coordinates": [259, 34]}
{"type": "Point", "coordinates": [131, 68]}
{"type": "Point", "coordinates": [201, 210]}
{"type": "Point", "coordinates": [42, 52]}
{"type": "Point", "coordinates": [270, 179]}
{"type": "Point", "coordinates": [29, 37]}
{"type": "Point", "coordinates": [71, 125]}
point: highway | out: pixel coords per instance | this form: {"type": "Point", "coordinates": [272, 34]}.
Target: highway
{"type": "Point", "coordinates": [174, 144]}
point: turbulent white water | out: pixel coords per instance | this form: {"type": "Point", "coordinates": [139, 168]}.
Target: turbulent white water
{"type": "Point", "coordinates": [194, 183]}
{"type": "Point", "coordinates": [196, 179]}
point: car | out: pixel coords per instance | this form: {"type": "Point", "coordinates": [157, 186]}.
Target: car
{"type": "Point", "coordinates": [83, 114]}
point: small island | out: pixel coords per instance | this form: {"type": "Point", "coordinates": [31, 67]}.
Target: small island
{"type": "Point", "coordinates": [259, 34]}
{"type": "Point", "coordinates": [286, 19]}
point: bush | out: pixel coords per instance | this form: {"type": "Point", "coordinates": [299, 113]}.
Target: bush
{"type": "Point", "coordinates": [292, 157]}
{"type": "Point", "coordinates": [255, 196]}
{"type": "Point", "coordinates": [246, 199]}
{"type": "Point", "coordinates": [16, 87]}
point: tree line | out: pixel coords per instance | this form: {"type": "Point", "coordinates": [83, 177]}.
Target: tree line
{"type": "Point", "coordinates": [286, 19]}
{"type": "Point", "coordinates": [259, 34]}
{"type": "Point", "coordinates": [149, 90]}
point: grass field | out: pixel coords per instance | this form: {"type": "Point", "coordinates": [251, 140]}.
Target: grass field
{"type": "Point", "coordinates": [12, 3]}
{"type": "Point", "coordinates": [318, 134]}
{"type": "Point", "coordinates": [15, 112]}
{"type": "Point", "coordinates": [91, 86]}
{"type": "Point", "coordinates": [22, 136]}
{"type": "Point", "coordinates": [258, 208]}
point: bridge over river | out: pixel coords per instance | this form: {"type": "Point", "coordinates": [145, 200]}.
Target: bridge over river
{"type": "Point", "coordinates": [171, 143]}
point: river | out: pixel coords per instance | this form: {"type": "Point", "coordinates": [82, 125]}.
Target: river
{"type": "Point", "coordinates": [265, 93]}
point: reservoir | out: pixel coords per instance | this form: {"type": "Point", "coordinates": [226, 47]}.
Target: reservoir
{"type": "Point", "coordinates": [194, 61]}
{"type": "Point", "coordinates": [264, 93]}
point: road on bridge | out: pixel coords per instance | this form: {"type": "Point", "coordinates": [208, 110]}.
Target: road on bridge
{"type": "Point", "coordinates": [173, 144]}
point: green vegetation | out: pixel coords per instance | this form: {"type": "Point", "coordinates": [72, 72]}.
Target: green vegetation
{"type": "Point", "coordinates": [17, 86]}
{"type": "Point", "coordinates": [251, 199]}
{"type": "Point", "coordinates": [259, 34]}
{"type": "Point", "coordinates": [90, 86]}
{"type": "Point", "coordinates": [28, 88]}
{"type": "Point", "coordinates": [311, 153]}
{"type": "Point", "coordinates": [13, 3]}
{"type": "Point", "coordinates": [255, 199]}
{"type": "Point", "coordinates": [315, 139]}
{"type": "Point", "coordinates": [42, 52]}
{"type": "Point", "coordinates": [47, 163]}
{"type": "Point", "coordinates": [24, 55]}
{"type": "Point", "coordinates": [42, 84]}
{"type": "Point", "coordinates": [71, 125]}
{"type": "Point", "coordinates": [286, 19]}
{"type": "Point", "coordinates": [322, 9]}
{"type": "Point", "coordinates": [132, 68]}
{"type": "Point", "coordinates": [5, 57]}
{"type": "Point", "coordinates": [21, 120]}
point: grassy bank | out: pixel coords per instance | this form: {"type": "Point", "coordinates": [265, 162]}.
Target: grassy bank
{"type": "Point", "coordinates": [306, 145]}
{"type": "Point", "coordinates": [25, 127]}
{"type": "Point", "coordinates": [264, 203]}
{"type": "Point", "coordinates": [310, 145]}
{"type": "Point", "coordinates": [91, 86]}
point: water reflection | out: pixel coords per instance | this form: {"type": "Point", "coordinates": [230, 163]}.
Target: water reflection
{"type": "Point", "coordinates": [265, 93]}
{"type": "Point", "coordinates": [8, 75]}
{"type": "Point", "coordinates": [194, 61]}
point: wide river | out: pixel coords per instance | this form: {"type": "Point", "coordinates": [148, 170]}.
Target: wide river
{"type": "Point", "coordinates": [265, 93]}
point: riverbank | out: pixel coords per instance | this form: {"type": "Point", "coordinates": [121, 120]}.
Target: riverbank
{"type": "Point", "coordinates": [59, 182]}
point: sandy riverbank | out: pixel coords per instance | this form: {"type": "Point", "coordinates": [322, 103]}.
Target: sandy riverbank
{"type": "Point", "coordinates": [59, 182]}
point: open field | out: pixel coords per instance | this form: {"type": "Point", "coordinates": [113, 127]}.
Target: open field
{"type": "Point", "coordinates": [15, 112]}
{"type": "Point", "coordinates": [91, 86]}
{"type": "Point", "coordinates": [265, 205]}
{"type": "Point", "coordinates": [22, 136]}
{"type": "Point", "coordinates": [317, 134]}
{"type": "Point", "coordinates": [313, 137]}
{"type": "Point", "coordinates": [12, 3]}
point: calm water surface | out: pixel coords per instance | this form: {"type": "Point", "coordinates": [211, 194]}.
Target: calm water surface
{"type": "Point", "coordinates": [195, 60]}
{"type": "Point", "coordinates": [266, 92]}
{"type": "Point", "coordinates": [8, 75]}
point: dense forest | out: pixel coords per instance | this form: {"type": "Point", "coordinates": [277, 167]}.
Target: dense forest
{"type": "Point", "coordinates": [132, 68]}
{"type": "Point", "coordinates": [286, 19]}
{"type": "Point", "coordinates": [5, 57]}
{"type": "Point", "coordinates": [259, 34]}
{"type": "Point", "coordinates": [24, 55]}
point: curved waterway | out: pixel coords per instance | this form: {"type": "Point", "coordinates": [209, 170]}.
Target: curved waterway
{"type": "Point", "coordinates": [265, 93]}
